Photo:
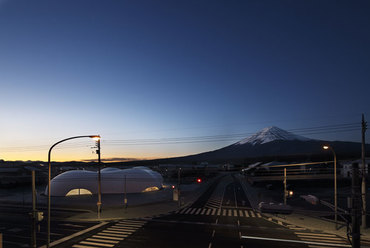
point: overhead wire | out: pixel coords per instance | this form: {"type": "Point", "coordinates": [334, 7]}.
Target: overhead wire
{"type": "Point", "coordinates": [347, 127]}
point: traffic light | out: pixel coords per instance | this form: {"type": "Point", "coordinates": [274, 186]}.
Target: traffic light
{"type": "Point", "coordinates": [199, 180]}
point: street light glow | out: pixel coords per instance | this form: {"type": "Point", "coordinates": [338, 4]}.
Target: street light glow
{"type": "Point", "coordinates": [96, 137]}
{"type": "Point", "coordinates": [326, 147]}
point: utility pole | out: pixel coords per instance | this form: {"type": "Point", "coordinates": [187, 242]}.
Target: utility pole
{"type": "Point", "coordinates": [125, 193]}
{"type": "Point", "coordinates": [178, 186]}
{"type": "Point", "coordinates": [285, 192]}
{"type": "Point", "coordinates": [363, 185]}
{"type": "Point", "coordinates": [356, 207]}
{"type": "Point", "coordinates": [34, 213]}
{"type": "Point", "coordinates": [99, 178]}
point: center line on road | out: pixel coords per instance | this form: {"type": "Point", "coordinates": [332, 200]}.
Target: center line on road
{"type": "Point", "coordinates": [213, 233]}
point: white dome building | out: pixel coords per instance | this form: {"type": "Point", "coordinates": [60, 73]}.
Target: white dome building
{"type": "Point", "coordinates": [113, 181]}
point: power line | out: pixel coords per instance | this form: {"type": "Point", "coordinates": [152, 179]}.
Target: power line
{"type": "Point", "coordinates": [338, 128]}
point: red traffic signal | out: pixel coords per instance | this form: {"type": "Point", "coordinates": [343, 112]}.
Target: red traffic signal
{"type": "Point", "coordinates": [199, 180]}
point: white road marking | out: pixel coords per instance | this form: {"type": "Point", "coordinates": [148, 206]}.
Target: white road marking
{"type": "Point", "coordinates": [246, 213]}
{"type": "Point", "coordinates": [252, 214]}
{"type": "Point", "coordinates": [103, 236]}
{"type": "Point", "coordinates": [183, 210]}
{"type": "Point", "coordinates": [209, 211]}
{"type": "Point", "coordinates": [241, 213]}
{"type": "Point", "coordinates": [83, 246]}
{"type": "Point", "coordinates": [193, 211]}
{"type": "Point", "coordinates": [213, 233]}
{"type": "Point", "coordinates": [103, 240]}
{"type": "Point", "coordinates": [117, 231]}
{"type": "Point", "coordinates": [96, 244]}
{"type": "Point", "coordinates": [229, 212]}
{"type": "Point", "coordinates": [224, 212]}
{"type": "Point", "coordinates": [134, 221]}
{"type": "Point", "coordinates": [203, 211]}
{"type": "Point", "coordinates": [296, 241]}
{"type": "Point", "coordinates": [198, 211]}
{"type": "Point", "coordinates": [188, 211]}
{"type": "Point", "coordinates": [130, 225]}
{"type": "Point", "coordinates": [126, 228]}
{"type": "Point", "coordinates": [120, 230]}
{"type": "Point", "coordinates": [258, 215]}
{"type": "Point", "coordinates": [219, 212]}
{"type": "Point", "coordinates": [235, 213]}
{"type": "Point", "coordinates": [316, 234]}
{"type": "Point", "coordinates": [320, 239]}
{"type": "Point", "coordinates": [114, 234]}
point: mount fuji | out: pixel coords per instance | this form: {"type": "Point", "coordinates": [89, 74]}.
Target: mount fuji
{"type": "Point", "coordinates": [276, 142]}
{"type": "Point", "coordinates": [269, 134]}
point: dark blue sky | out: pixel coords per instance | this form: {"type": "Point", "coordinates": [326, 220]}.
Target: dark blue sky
{"type": "Point", "coordinates": [158, 69]}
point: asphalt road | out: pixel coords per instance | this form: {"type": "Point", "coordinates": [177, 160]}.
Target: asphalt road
{"type": "Point", "coordinates": [221, 217]}
{"type": "Point", "coordinates": [16, 226]}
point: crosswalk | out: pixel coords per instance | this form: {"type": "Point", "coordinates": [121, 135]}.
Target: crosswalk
{"type": "Point", "coordinates": [322, 240]}
{"type": "Point", "coordinates": [220, 212]}
{"type": "Point", "coordinates": [214, 202]}
{"type": "Point", "coordinates": [111, 236]}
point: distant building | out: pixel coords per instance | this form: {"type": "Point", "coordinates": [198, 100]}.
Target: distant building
{"type": "Point", "coordinates": [113, 181]}
{"type": "Point", "coordinates": [346, 170]}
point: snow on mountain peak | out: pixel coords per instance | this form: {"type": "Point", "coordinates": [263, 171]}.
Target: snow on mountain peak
{"type": "Point", "coordinates": [270, 134]}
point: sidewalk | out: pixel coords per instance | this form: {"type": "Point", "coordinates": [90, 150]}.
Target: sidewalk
{"type": "Point", "coordinates": [307, 220]}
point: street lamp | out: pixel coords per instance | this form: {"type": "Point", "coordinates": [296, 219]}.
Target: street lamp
{"type": "Point", "coordinates": [96, 137]}
{"type": "Point", "coordinates": [335, 183]}
{"type": "Point", "coordinates": [97, 140]}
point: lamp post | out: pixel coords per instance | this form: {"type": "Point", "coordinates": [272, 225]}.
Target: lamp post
{"type": "Point", "coordinates": [335, 183]}
{"type": "Point", "coordinates": [49, 177]}
{"type": "Point", "coordinates": [97, 139]}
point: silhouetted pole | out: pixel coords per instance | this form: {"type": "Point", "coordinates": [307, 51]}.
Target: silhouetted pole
{"type": "Point", "coordinates": [99, 179]}
{"type": "Point", "coordinates": [363, 185]}
{"type": "Point", "coordinates": [33, 214]}
{"type": "Point", "coordinates": [356, 205]}
{"type": "Point", "coordinates": [125, 193]}
{"type": "Point", "coordinates": [335, 185]}
{"type": "Point", "coordinates": [285, 186]}
{"type": "Point", "coordinates": [178, 186]}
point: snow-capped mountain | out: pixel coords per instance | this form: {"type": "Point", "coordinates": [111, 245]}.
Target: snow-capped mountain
{"type": "Point", "coordinates": [276, 142]}
{"type": "Point", "coordinates": [269, 134]}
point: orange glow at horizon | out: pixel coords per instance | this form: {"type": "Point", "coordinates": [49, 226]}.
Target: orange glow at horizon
{"type": "Point", "coordinates": [59, 156]}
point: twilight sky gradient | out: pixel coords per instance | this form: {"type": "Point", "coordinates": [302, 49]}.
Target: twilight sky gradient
{"type": "Point", "coordinates": [132, 70]}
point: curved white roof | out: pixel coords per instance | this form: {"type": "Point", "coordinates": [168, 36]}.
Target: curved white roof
{"type": "Point", "coordinates": [113, 180]}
